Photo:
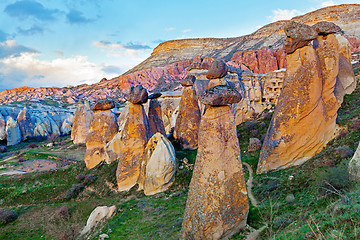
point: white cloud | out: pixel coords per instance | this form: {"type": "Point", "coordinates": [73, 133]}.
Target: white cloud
{"type": "Point", "coordinates": [27, 70]}
{"type": "Point", "coordinates": [117, 49]}
{"type": "Point", "coordinates": [169, 29]}
{"type": "Point", "coordinates": [327, 3]}
{"type": "Point", "coordinates": [283, 14]}
{"type": "Point", "coordinates": [186, 30]}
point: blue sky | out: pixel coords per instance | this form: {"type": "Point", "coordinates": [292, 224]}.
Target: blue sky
{"type": "Point", "coordinates": [70, 42]}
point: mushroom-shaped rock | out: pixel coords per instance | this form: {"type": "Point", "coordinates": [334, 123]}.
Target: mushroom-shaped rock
{"type": "Point", "coordinates": [159, 167]}
{"type": "Point", "coordinates": [217, 69]}
{"type": "Point", "coordinates": [128, 147]}
{"type": "Point", "coordinates": [155, 95]}
{"type": "Point", "coordinates": [298, 36]}
{"type": "Point", "coordinates": [155, 117]}
{"type": "Point", "coordinates": [103, 105]}
{"type": "Point", "coordinates": [220, 95]}
{"type": "Point", "coordinates": [324, 28]}
{"type": "Point", "coordinates": [188, 119]}
{"type": "Point", "coordinates": [137, 95]}
{"type": "Point", "coordinates": [188, 81]}
{"type": "Point", "coordinates": [217, 204]}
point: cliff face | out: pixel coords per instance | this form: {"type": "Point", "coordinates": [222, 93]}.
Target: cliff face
{"type": "Point", "coordinates": [346, 16]}
{"type": "Point", "coordinates": [260, 52]}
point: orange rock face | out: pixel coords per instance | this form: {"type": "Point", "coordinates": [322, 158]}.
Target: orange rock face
{"type": "Point", "coordinates": [217, 204]}
{"type": "Point", "coordinates": [81, 122]}
{"type": "Point", "coordinates": [303, 122]}
{"type": "Point", "coordinates": [131, 147]}
{"type": "Point", "coordinates": [188, 121]}
{"type": "Point", "coordinates": [102, 129]}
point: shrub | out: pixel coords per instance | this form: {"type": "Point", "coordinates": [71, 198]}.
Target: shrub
{"type": "Point", "coordinates": [333, 180]}
{"type": "Point", "coordinates": [7, 216]}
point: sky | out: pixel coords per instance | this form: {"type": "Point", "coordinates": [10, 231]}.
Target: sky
{"type": "Point", "coordinates": [70, 42]}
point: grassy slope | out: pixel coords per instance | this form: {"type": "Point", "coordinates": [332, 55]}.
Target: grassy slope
{"type": "Point", "coordinates": [318, 210]}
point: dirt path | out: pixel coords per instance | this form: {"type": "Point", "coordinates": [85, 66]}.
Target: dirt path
{"type": "Point", "coordinates": [256, 233]}
{"type": "Point", "coordinates": [249, 185]}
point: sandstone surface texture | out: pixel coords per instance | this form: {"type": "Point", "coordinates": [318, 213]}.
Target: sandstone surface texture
{"type": "Point", "coordinates": [354, 165]}
{"type": "Point", "coordinates": [188, 120]}
{"type": "Point", "coordinates": [102, 129]}
{"type": "Point", "coordinates": [81, 122]}
{"type": "Point", "coordinates": [159, 167]}
{"type": "Point", "coordinates": [129, 147]}
{"type": "Point", "coordinates": [217, 204]}
{"type": "Point", "coordinates": [303, 121]}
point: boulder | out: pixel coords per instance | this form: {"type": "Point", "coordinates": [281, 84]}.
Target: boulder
{"type": "Point", "coordinates": [137, 95]}
{"type": "Point", "coordinates": [13, 133]}
{"type": "Point", "coordinates": [159, 166]}
{"type": "Point", "coordinates": [354, 165]}
{"type": "Point", "coordinates": [103, 105]}
{"type": "Point", "coordinates": [220, 95]}
{"type": "Point", "coordinates": [2, 127]}
{"type": "Point", "coordinates": [254, 144]}
{"type": "Point", "coordinates": [155, 117]}
{"type": "Point", "coordinates": [188, 120]}
{"type": "Point", "coordinates": [102, 129]}
{"type": "Point", "coordinates": [298, 36]}
{"type": "Point", "coordinates": [188, 81]}
{"type": "Point", "coordinates": [324, 28]}
{"type": "Point", "coordinates": [98, 215]}
{"type": "Point", "coordinates": [129, 147]}
{"type": "Point", "coordinates": [302, 124]}
{"type": "Point", "coordinates": [81, 122]}
{"type": "Point", "coordinates": [217, 69]}
{"type": "Point", "coordinates": [217, 204]}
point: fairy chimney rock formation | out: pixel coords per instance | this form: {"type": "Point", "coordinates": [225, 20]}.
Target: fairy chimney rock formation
{"type": "Point", "coordinates": [155, 115]}
{"type": "Point", "coordinates": [304, 120]}
{"type": "Point", "coordinates": [102, 129]}
{"type": "Point", "coordinates": [129, 145]}
{"type": "Point", "coordinates": [217, 204]}
{"type": "Point", "coordinates": [188, 119]}
{"type": "Point", "coordinates": [81, 122]}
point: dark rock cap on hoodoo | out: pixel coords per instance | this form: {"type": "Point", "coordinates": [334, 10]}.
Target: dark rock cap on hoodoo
{"type": "Point", "coordinates": [137, 95]}
{"type": "Point", "coordinates": [188, 81]}
{"type": "Point", "coordinates": [217, 69]}
{"type": "Point", "coordinates": [220, 95]}
{"type": "Point", "coordinates": [298, 36]}
{"type": "Point", "coordinates": [103, 105]}
{"type": "Point", "coordinates": [154, 95]}
{"type": "Point", "coordinates": [324, 28]}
